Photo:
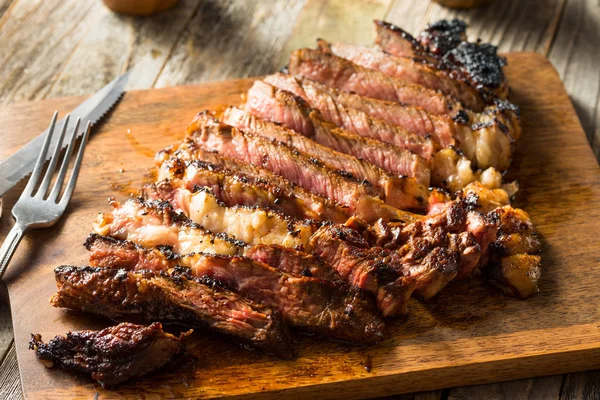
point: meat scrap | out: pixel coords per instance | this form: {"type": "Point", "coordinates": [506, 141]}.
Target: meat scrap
{"type": "Point", "coordinates": [113, 355]}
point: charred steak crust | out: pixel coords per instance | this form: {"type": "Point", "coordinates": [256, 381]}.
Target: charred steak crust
{"type": "Point", "coordinates": [113, 355]}
{"type": "Point", "coordinates": [175, 297]}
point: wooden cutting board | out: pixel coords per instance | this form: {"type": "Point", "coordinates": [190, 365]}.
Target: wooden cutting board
{"type": "Point", "coordinates": [468, 334]}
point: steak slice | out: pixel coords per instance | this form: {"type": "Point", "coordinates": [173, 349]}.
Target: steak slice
{"type": "Point", "coordinates": [443, 46]}
{"type": "Point", "coordinates": [113, 355]}
{"type": "Point", "coordinates": [322, 209]}
{"type": "Point", "coordinates": [153, 224]}
{"type": "Point", "coordinates": [345, 75]}
{"type": "Point", "coordinates": [332, 309]}
{"type": "Point", "coordinates": [283, 107]}
{"type": "Point", "coordinates": [176, 297]}
{"type": "Point", "coordinates": [399, 192]}
{"type": "Point", "coordinates": [296, 166]}
{"type": "Point", "coordinates": [407, 70]}
{"type": "Point", "coordinates": [413, 119]}
{"type": "Point", "coordinates": [353, 120]}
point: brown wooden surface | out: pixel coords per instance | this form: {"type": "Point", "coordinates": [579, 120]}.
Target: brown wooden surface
{"type": "Point", "coordinates": [469, 334]}
{"type": "Point", "coordinates": [55, 48]}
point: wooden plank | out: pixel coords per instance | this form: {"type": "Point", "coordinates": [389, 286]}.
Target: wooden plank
{"type": "Point", "coordinates": [30, 58]}
{"type": "Point", "coordinates": [10, 388]}
{"type": "Point", "coordinates": [512, 25]}
{"type": "Point", "coordinates": [116, 43]}
{"type": "Point", "coordinates": [545, 388]}
{"type": "Point", "coordinates": [336, 21]}
{"type": "Point", "coordinates": [231, 39]}
{"type": "Point", "coordinates": [469, 334]}
{"type": "Point", "coordinates": [581, 386]}
{"type": "Point", "coordinates": [575, 54]}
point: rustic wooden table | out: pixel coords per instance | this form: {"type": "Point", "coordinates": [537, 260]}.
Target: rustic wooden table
{"type": "Point", "coordinates": [57, 48]}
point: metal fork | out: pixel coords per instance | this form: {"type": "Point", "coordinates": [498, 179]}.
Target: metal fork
{"type": "Point", "coordinates": [37, 210]}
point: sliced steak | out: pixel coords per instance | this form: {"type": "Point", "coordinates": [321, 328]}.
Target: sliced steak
{"type": "Point", "coordinates": [399, 192]}
{"type": "Point", "coordinates": [332, 309]}
{"type": "Point", "coordinates": [281, 106]}
{"type": "Point", "coordinates": [373, 264]}
{"type": "Point", "coordinates": [321, 208]}
{"type": "Point", "coordinates": [407, 70]}
{"type": "Point", "coordinates": [354, 120]}
{"type": "Point", "coordinates": [176, 297]}
{"type": "Point", "coordinates": [347, 76]}
{"type": "Point", "coordinates": [296, 166]}
{"type": "Point", "coordinates": [114, 355]}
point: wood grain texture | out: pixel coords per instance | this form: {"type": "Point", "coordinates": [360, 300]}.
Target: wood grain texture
{"type": "Point", "coordinates": [470, 334]}
{"type": "Point", "coordinates": [576, 55]}
{"type": "Point", "coordinates": [544, 388]}
{"type": "Point", "coordinates": [9, 376]}
{"type": "Point", "coordinates": [582, 385]}
{"type": "Point", "coordinates": [231, 39]}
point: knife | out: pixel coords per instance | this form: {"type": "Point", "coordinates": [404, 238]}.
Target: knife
{"type": "Point", "coordinates": [20, 164]}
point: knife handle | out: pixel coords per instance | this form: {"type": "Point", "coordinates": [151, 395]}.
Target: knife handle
{"type": "Point", "coordinates": [10, 245]}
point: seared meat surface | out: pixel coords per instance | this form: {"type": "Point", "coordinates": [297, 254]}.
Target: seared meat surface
{"type": "Point", "coordinates": [175, 297]}
{"type": "Point", "coordinates": [113, 355]}
{"type": "Point", "coordinates": [329, 308]}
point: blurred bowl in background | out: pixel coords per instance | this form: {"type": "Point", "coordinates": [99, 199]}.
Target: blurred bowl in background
{"type": "Point", "coordinates": [139, 7]}
{"type": "Point", "coordinates": [462, 3]}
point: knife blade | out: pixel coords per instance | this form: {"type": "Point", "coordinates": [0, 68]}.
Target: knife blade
{"type": "Point", "coordinates": [20, 164]}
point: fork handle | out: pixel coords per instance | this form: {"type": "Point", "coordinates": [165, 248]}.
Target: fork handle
{"type": "Point", "coordinates": [10, 245]}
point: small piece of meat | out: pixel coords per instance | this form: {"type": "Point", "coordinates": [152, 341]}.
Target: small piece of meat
{"type": "Point", "coordinates": [351, 119]}
{"type": "Point", "coordinates": [400, 192]}
{"type": "Point", "coordinates": [322, 208]}
{"type": "Point", "coordinates": [345, 75]}
{"type": "Point", "coordinates": [299, 168]}
{"type": "Point", "coordinates": [292, 261]}
{"type": "Point", "coordinates": [407, 70]}
{"type": "Point", "coordinates": [332, 309]}
{"type": "Point", "coordinates": [283, 107]}
{"type": "Point", "coordinates": [442, 36]}
{"type": "Point", "coordinates": [176, 297]}
{"type": "Point", "coordinates": [114, 355]}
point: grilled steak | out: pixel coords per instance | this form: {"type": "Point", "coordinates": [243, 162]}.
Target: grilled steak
{"type": "Point", "coordinates": [347, 76]}
{"type": "Point", "coordinates": [443, 45]}
{"type": "Point", "coordinates": [320, 207]}
{"type": "Point", "coordinates": [296, 166]}
{"type": "Point", "coordinates": [281, 106]}
{"type": "Point", "coordinates": [332, 309]}
{"type": "Point", "coordinates": [353, 120]}
{"type": "Point", "coordinates": [399, 192]}
{"type": "Point", "coordinates": [172, 298]}
{"type": "Point", "coordinates": [407, 70]}
{"type": "Point", "coordinates": [113, 355]}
